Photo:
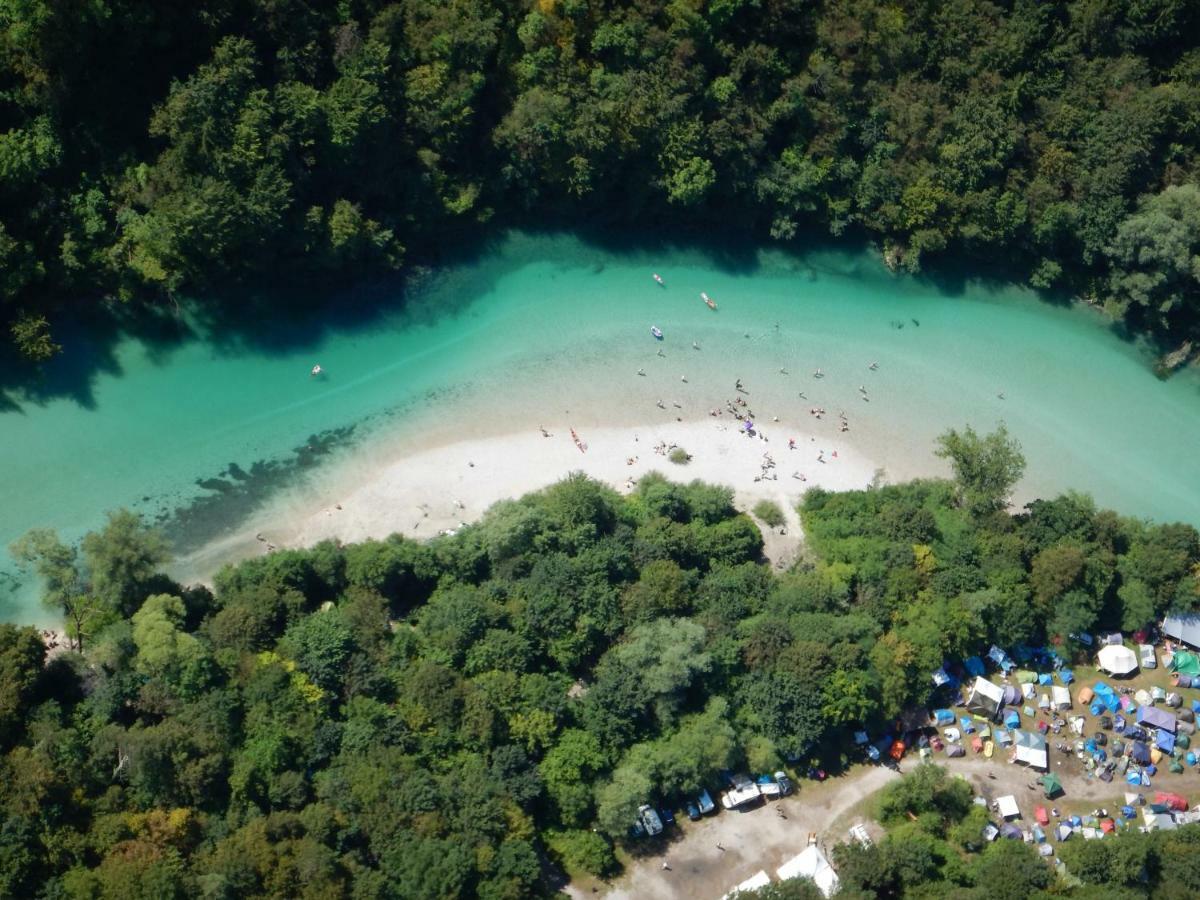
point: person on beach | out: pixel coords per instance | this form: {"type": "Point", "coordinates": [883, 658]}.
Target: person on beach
{"type": "Point", "coordinates": [791, 443]}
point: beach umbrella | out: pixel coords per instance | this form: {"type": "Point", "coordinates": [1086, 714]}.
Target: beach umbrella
{"type": "Point", "coordinates": [1117, 659]}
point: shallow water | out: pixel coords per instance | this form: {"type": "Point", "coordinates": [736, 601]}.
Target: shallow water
{"type": "Point", "coordinates": [203, 435]}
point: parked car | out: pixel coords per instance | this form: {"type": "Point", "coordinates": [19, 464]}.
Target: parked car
{"type": "Point", "coordinates": [768, 786]}
{"type": "Point", "coordinates": [650, 820]}
{"type": "Point", "coordinates": [667, 816]}
{"type": "Point", "coordinates": [785, 783]}
{"type": "Point", "coordinates": [742, 792]}
{"type": "Point", "coordinates": [705, 803]}
{"type": "Point", "coordinates": [859, 833]}
{"type": "Point", "coordinates": [693, 811]}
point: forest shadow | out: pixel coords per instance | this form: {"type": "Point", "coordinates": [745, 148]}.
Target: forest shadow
{"type": "Point", "coordinates": [233, 495]}
{"type": "Point", "coordinates": [291, 312]}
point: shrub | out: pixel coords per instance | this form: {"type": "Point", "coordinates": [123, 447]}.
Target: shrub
{"type": "Point", "coordinates": [679, 456]}
{"type": "Point", "coordinates": [769, 512]}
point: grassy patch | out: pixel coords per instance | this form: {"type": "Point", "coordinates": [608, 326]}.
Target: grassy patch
{"type": "Point", "coordinates": [769, 512]}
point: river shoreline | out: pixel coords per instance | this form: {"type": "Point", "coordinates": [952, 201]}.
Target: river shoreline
{"type": "Point", "coordinates": [431, 491]}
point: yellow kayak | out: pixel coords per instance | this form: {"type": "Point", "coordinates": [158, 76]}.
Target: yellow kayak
{"type": "Point", "coordinates": [988, 747]}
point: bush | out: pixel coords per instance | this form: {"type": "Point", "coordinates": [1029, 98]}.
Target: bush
{"type": "Point", "coordinates": [679, 456]}
{"type": "Point", "coordinates": [768, 511]}
{"type": "Point", "coordinates": [580, 852]}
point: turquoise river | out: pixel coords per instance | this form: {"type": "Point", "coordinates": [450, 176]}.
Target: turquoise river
{"type": "Point", "coordinates": [201, 434]}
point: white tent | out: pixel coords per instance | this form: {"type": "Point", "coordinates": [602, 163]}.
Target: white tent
{"type": "Point", "coordinates": [986, 698]}
{"type": "Point", "coordinates": [1183, 628]}
{"type": "Point", "coordinates": [1117, 659]}
{"type": "Point", "coordinates": [758, 880]}
{"type": "Point", "coordinates": [1031, 749]}
{"type": "Point", "coordinates": [1008, 806]}
{"type": "Point", "coordinates": [1060, 696]}
{"type": "Point", "coordinates": [813, 865]}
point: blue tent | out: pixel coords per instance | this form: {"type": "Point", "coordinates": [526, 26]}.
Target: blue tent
{"type": "Point", "coordinates": [1102, 688]}
{"type": "Point", "coordinates": [1045, 679]}
{"type": "Point", "coordinates": [1134, 777]}
{"type": "Point", "coordinates": [1012, 719]}
{"type": "Point", "coordinates": [943, 717]}
{"type": "Point", "coordinates": [1165, 741]}
{"type": "Point", "coordinates": [1139, 752]}
{"type": "Point", "coordinates": [1000, 658]}
{"type": "Point", "coordinates": [1096, 708]}
{"type": "Point", "coordinates": [1066, 676]}
{"type": "Point", "coordinates": [967, 723]}
{"type": "Point", "coordinates": [973, 665]}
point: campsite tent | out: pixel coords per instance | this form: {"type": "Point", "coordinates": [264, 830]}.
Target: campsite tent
{"type": "Point", "coordinates": [1185, 663]}
{"type": "Point", "coordinates": [1139, 752]}
{"type": "Point", "coordinates": [1051, 784]}
{"type": "Point", "coordinates": [1183, 628]}
{"type": "Point", "coordinates": [985, 698]}
{"type": "Point", "coordinates": [1060, 697]}
{"type": "Point", "coordinates": [1031, 749]}
{"type": "Point", "coordinates": [1117, 659]}
{"type": "Point", "coordinates": [813, 865]}
{"type": "Point", "coordinates": [1157, 718]}
{"type": "Point", "coordinates": [1007, 806]}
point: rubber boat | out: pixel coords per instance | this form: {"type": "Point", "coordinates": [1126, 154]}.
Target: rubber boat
{"type": "Point", "coordinates": [659, 279]}
{"type": "Point", "coordinates": [657, 332]}
{"type": "Point", "coordinates": [707, 300]}
{"type": "Point", "coordinates": [317, 370]}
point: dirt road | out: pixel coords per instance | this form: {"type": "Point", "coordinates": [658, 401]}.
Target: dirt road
{"type": "Point", "coordinates": [709, 857]}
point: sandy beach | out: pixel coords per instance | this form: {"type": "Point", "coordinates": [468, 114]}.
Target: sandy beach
{"type": "Point", "coordinates": [432, 490]}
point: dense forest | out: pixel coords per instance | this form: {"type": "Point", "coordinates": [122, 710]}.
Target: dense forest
{"type": "Point", "coordinates": [469, 716]}
{"type": "Point", "coordinates": [158, 151]}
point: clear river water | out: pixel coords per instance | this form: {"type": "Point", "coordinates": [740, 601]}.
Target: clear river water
{"type": "Point", "coordinates": [203, 434]}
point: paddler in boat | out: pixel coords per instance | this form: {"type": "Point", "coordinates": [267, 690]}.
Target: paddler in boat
{"type": "Point", "coordinates": [658, 278]}
{"type": "Point", "coordinates": [316, 370]}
